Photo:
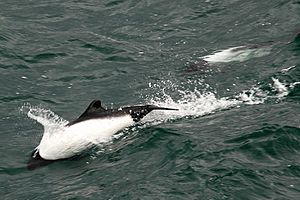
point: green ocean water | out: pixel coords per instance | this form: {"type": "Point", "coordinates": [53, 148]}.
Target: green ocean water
{"type": "Point", "coordinates": [236, 134]}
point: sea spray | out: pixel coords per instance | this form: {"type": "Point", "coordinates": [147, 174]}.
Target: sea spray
{"type": "Point", "coordinates": [280, 88]}
{"type": "Point", "coordinates": [196, 103]}
{"type": "Point", "coordinates": [51, 122]}
{"type": "Point", "coordinates": [254, 95]}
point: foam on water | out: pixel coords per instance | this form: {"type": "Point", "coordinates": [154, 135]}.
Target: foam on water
{"type": "Point", "coordinates": [191, 104]}
{"type": "Point", "coordinates": [280, 88]}
{"type": "Point", "coordinates": [196, 103]}
{"type": "Point", "coordinates": [284, 70]}
{"type": "Point", "coordinates": [253, 96]}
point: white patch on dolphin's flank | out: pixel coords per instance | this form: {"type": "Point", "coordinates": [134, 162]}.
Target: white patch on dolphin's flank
{"type": "Point", "coordinates": [71, 140]}
{"type": "Point", "coordinates": [240, 53]}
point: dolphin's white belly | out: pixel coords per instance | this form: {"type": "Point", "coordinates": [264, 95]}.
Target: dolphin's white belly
{"type": "Point", "coordinates": [73, 139]}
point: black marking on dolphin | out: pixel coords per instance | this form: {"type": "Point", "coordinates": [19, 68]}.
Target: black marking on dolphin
{"type": "Point", "coordinates": [37, 161]}
{"type": "Point", "coordinates": [96, 111]}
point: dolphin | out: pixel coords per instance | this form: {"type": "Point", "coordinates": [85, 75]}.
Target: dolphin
{"type": "Point", "coordinates": [95, 125]}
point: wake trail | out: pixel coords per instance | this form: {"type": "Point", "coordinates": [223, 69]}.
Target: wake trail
{"type": "Point", "coordinates": [195, 103]}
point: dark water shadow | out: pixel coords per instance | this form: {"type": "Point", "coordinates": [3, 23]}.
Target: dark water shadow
{"type": "Point", "coordinates": [296, 42]}
{"type": "Point", "coordinates": [271, 142]}
{"type": "Point", "coordinates": [13, 170]}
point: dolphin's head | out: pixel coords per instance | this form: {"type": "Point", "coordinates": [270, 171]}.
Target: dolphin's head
{"type": "Point", "coordinates": [37, 161]}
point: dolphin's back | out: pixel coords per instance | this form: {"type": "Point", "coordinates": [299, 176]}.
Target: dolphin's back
{"type": "Point", "coordinates": [96, 111]}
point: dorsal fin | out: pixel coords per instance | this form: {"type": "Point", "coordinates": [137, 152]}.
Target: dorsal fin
{"type": "Point", "coordinates": [93, 107]}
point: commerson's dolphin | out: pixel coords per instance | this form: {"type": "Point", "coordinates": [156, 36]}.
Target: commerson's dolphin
{"type": "Point", "coordinates": [95, 125]}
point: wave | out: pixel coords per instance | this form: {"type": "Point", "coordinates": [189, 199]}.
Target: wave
{"type": "Point", "coordinates": [269, 144]}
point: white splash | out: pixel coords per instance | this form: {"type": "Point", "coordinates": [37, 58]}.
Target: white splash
{"type": "Point", "coordinates": [287, 69]}
{"type": "Point", "coordinates": [45, 117]}
{"type": "Point", "coordinates": [292, 85]}
{"type": "Point", "coordinates": [280, 88]}
{"type": "Point", "coordinates": [240, 53]}
{"type": "Point", "coordinates": [191, 104]}
{"type": "Point", "coordinates": [196, 103]}
{"type": "Point", "coordinates": [253, 96]}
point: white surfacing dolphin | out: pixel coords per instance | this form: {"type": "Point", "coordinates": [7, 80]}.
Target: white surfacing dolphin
{"type": "Point", "coordinates": [95, 125]}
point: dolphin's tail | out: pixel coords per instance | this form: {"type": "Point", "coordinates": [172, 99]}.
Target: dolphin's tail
{"type": "Point", "coordinates": [153, 107]}
{"type": "Point", "coordinates": [138, 112]}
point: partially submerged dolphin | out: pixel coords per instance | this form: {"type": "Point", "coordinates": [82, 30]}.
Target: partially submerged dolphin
{"type": "Point", "coordinates": [95, 125]}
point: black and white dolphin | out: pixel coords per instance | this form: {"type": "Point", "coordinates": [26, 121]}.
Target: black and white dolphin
{"type": "Point", "coordinates": [95, 125]}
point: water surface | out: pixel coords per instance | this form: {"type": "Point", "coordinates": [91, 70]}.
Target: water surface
{"type": "Point", "coordinates": [236, 136]}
